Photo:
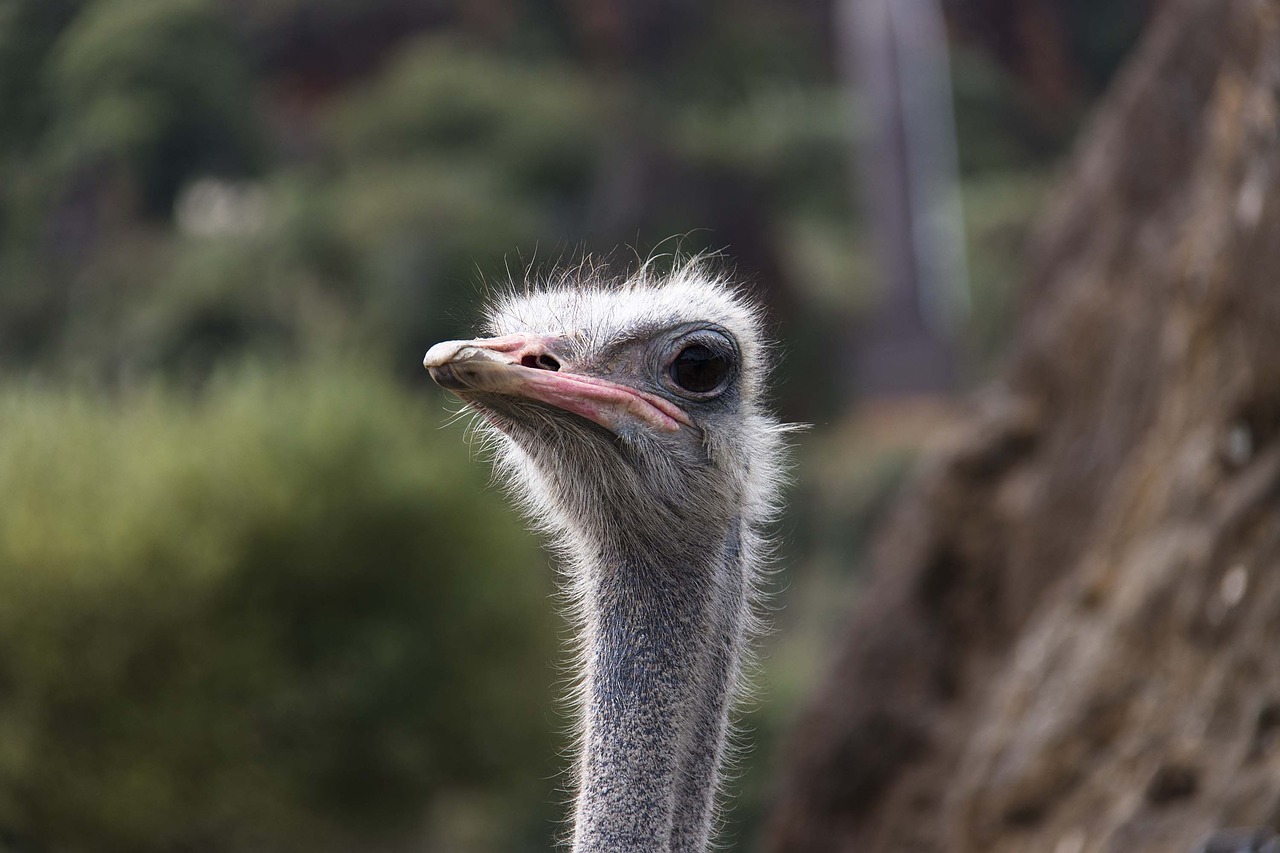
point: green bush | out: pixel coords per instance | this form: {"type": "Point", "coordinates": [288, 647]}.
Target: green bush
{"type": "Point", "coordinates": [537, 125]}
{"type": "Point", "coordinates": [159, 87]}
{"type": "Point", "coordinates": [287, 615]}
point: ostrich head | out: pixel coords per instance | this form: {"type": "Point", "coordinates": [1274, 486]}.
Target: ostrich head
{"type": "Point", "coordinates": [628, 415]}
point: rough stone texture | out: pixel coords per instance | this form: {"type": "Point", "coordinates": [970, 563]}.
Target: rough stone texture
{"type": "Point", "coordinates": [1070, 641]}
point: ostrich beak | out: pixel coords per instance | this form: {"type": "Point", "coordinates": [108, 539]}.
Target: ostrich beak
{"type": "Point", "coordinates": [524, 366]}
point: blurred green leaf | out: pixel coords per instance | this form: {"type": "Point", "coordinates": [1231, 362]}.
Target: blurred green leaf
{"type": "Point", "coordinates": [287, 614]}
{"type": "Point", "coordinates": [537, 126]}
{"type": "Point", "coordinates": [159, 86]}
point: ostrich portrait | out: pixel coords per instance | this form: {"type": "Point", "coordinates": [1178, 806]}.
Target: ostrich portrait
{"type": "Point", "coordinates": [628, 416]}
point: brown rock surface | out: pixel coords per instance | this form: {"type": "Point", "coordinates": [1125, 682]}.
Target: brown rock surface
{"type": "Point", "coordinates": [1071, 637]}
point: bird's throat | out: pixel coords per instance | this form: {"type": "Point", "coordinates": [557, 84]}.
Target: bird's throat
{"type": "Point", "coordinates": [663, 646]}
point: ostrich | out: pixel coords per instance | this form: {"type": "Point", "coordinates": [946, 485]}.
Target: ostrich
{"type": "Point", "coordinates": [628, 417]}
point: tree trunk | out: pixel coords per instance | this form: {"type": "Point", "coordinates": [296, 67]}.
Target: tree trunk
{"type": "Point", "coordinates": [1070, 640]}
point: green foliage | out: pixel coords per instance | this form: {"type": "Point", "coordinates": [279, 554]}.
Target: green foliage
{"type": "Point", "coordinates": [420, 234]}
{"type": "Point", "coordinates": [536, 126]}
{"type": "Point", "coordinates": [285, 615]}
{"type": "Point", "coordinates": [437, 170]}
{"type": "Point", "coordinates": [158, 86]}
{"type": "Point", "coordinates": [28, 30]}
{"type": "Point", "coordinates": [1101, 33]}
{"type": "Point", "coordinates": [722, 52]}
{"type": "Point", "coordinates": [794, 138]}
{"type": "Point", "coordinates": [999, 211]}
{"type": "Point", "coordinates": [994, 130]}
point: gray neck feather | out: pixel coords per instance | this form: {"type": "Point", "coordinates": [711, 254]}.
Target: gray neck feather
{"type": "Point", "coordinates": [662, 645]}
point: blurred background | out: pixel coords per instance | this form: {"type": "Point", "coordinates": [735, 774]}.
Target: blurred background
{"type": "Point", "coordinates": [256, 592]}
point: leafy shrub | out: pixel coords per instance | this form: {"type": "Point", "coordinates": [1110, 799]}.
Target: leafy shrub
{"type": "Point", "coordinates": [157, 86]}
{"type": "Point", "coordinates": [539, 126]}
{"type": "Point", "coordinates": [287, 615]}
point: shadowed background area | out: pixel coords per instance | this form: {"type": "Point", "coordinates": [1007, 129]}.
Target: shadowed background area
{"type": "Point", "coordinates": [255, 592]}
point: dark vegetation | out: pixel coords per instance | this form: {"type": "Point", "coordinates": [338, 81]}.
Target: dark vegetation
{"type": "Point", "coordinates": [277, 616]}
{"type": "Point", "coordinates": [253, 594]}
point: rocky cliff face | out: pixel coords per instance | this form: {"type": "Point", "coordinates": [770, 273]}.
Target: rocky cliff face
{"type": "Point", "coordinates": [1071, 638]}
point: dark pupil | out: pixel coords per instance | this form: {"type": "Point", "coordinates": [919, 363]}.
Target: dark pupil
{"type": "Point", "coordinates": [698, 368]}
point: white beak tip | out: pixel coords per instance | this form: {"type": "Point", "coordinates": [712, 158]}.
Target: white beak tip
{"type": "Point", "coordinates": [442, 353]}
{"type": "Point", "coordinates": [448, 352]}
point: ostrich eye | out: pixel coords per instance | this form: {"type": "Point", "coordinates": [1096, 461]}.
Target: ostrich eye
{"type": "Point", "coordinates": [699, 369]}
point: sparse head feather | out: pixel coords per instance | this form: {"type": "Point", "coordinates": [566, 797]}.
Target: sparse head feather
{"type": "Point", "coordinates": [723, 463]}
{"type": "Point", "coordinates": [605, 311]}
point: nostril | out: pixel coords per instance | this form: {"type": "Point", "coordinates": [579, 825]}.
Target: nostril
{"type": "Point", "coordinates": [540, 362]}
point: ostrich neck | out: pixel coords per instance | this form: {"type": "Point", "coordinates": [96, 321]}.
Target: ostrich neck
{"type": "Point", "coordinates": [663, 643]}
